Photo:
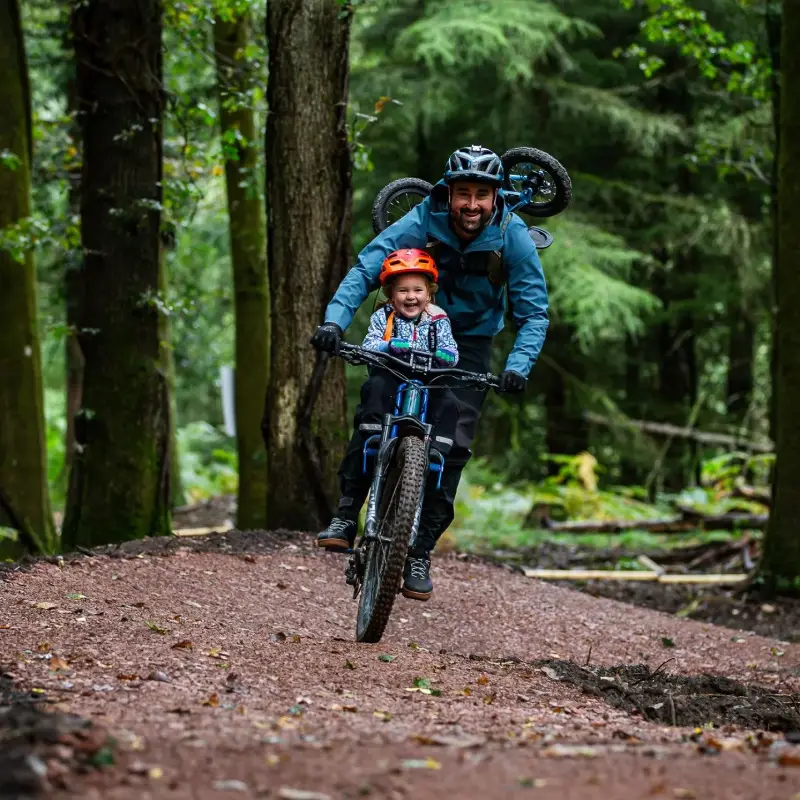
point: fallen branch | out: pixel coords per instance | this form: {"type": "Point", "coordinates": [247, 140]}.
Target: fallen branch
{"type": "Point", "coordinates": [201, 531]}
{"type": "Point", "coordinates": [628, 575]}
{"type": "Point", "coordinates": [762, 496]}
{"type": "Point", "coordinates": [722, 522]}
{"type": "Point", "coordinates": [677, 432]}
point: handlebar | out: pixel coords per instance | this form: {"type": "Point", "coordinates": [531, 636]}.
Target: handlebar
{"type": "Point", "coordinates": [360, 355]}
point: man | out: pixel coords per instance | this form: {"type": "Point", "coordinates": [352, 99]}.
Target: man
{"type": "Point", "coordinates": [479, 247]}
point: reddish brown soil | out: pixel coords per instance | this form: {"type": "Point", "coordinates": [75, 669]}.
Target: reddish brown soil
{"type": "Point", "coordinates": [237, 675]}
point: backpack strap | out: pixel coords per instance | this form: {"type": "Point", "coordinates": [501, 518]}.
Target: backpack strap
{"type": "Point", "coordinates": [498, 275]}
{"type": "Point", "coordinates": [387, 334]}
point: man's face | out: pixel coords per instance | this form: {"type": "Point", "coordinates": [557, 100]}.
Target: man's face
{"type": "Point", "coordinates": [471, 207]}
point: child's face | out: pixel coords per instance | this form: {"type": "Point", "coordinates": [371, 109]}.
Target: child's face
{"type": "Point", "coordinates": [410, 295]}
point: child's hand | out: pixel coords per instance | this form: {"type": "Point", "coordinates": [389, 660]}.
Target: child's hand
{"type": "Point", "coordinates": [399, 347]}
{"type": "Point", "coordinates": [445, 357]}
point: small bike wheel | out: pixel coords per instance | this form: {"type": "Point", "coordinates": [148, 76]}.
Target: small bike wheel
{"type": "Point", "coordinates": [396, 199]}
{"type": "Point", "coordinates": [529, 168]}
{"type": "Point", "coordinates": [386, 554]}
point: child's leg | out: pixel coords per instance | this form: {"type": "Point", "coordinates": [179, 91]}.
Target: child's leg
{"type": "Point", "coordinates": [377, 398]}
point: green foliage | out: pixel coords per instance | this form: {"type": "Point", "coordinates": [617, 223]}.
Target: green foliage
{"type": "Point", "coordinates": [208, 462]}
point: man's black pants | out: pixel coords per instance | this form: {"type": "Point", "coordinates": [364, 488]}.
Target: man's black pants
{"type": "Point", "coordinates": [377, 398]}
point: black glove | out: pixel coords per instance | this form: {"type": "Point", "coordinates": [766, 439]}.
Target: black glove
{"type": "Point", "coordinates": [327, 337]}
{"type": "Point", "coordinates": [512, 382]}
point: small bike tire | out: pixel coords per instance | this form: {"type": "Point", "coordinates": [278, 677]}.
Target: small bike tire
{"type": "Point", "coordinates": [397, 199]}
{"type": "Point", "coordinates": [381, 585]}
{"type": "Point", "coordinates": [559, 176]}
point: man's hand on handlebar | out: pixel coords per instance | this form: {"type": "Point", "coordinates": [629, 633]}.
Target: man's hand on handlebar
{"type": "Point", "coordinates": [327, 337]}
{"type": "Point", "coordinates": [511, 382]}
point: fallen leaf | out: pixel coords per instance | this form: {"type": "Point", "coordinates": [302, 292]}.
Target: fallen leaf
{"type": "Point", "coordinates": [790, 758]}
{"type": "Point", "coordinates": [76, 596]}
{"type": "Point", "coordinates": [421, 763]}
{"type": "Point", "coordinates": [5, 627]}
{"type": "Point", "coordinates": [130, 677]}
{"type": "Point", "coordinates": [551, 673]}
{"type": "Point", "coordinates": [156, 628]}
{"type": "Point", "coordinates": [349, 665]}
{"type": "Point", "coordinates": [383, 716]}
{"type": "Point", "coordinates": [386, 658]}
{"type": "Point", "coordinates": [459, 742]}
{"type": "Point", "coordinates": [184, 645]}
{"type": "Point", "coordinates": [213, 700]}
{"type": "Point", "coordinates": [569, 751]}
{"type": "Point", "coordinates": [231, 786]}
{"type": "Point", "coordinates": [155, 773]}
{"type": "Point", "coordinates": [43, 647]}
{"type": "Point", "coordinates": [45, 606]}
{"type": "Point", "coordinates": [482, 681]}
{"type": "Point", "coordinates": [489, 698]}
{"type": "Point", "coordinates": [685, 794]}
{"type": "Point", "coordinates": [57, 663]}
{"type": "Point", "coordinates": [667, 642]}
{"type": "Point", "coordinates": [532, 783]}
{"type": "Point", "coordinates": [467, 691]}
{"type": "Point", "coordinates": [272, 759]}
{"type": "Point", "coordinates": [288, 793]}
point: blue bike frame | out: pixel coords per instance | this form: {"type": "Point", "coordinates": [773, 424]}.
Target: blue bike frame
{"type": "Point", "coordinates": [410, 412]}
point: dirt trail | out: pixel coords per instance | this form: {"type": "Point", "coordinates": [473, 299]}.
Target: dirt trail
{"type": "Point", "coordinates": [236, 676]}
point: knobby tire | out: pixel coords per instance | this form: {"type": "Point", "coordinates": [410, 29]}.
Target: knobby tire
{"type": "Point", "coordinates": [401, 495]}
{"type": "Point", "coordinates": [392, 193]}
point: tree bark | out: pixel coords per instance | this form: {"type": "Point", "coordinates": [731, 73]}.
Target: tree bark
{"type": "Point", "coordinates": [24, 499]}
{"type": "Point", "coordinates": [119, 483]}
{"type": "Point", "coordinates": [249, 257]}
{"type": "Point", "coordinates": [780, 563]}
{"type": "Point", "coordinates": [309, 209]}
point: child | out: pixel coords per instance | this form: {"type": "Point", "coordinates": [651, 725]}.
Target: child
{"type": "Point", "coordinates": [409, 321]}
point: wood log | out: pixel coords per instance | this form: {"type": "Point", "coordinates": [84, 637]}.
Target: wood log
{"type": "Point", "coordinates": [629, 575]}
{"type": "Point", "coordinates": [722, 522]}
{"type": "Point", "coordinates": [762, 496]}
{"type": "Point", "coordinates": [201, 531]}
{"type": "Point", "coordinates": [677, 432]}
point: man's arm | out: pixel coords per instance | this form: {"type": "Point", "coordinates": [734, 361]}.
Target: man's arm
{"type": "Point", "coordinates": [527, 292]}
{"type": "Point", "coordinates": [410, 231]}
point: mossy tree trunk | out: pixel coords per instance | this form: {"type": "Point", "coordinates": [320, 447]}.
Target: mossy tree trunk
{"type": "Point", "coordinates": [780, 562]}
{"type": "Point", "coordinates": [24, 499]}
{"type": "Point", "coordinates": [309, 205]}
{"type": "Point", "coordinates": [248, 233]}
{"type": "Point", "coordinates": [119, 482]}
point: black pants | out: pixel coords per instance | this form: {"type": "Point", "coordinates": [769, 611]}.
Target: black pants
{"type": "Point", "coordinates": [453, 418]}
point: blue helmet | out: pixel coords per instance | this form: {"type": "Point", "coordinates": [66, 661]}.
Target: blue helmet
{"type": "Point", "coordinates": [474, 163]}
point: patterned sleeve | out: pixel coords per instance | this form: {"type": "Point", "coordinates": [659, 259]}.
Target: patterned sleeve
{"type": "Point", "coordinates": [377, 327]}
{"type": "Point", "coordinates": [444, 337]}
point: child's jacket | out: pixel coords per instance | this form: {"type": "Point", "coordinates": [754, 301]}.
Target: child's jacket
{"type": "Point", "coordinates": [429, 332]}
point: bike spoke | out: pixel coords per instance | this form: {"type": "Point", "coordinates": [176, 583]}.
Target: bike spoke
{"type": "Point", "coordinates": [527, 174]}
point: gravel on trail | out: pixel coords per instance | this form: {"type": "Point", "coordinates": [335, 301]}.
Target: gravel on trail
{"type": "Point", "coordinates": [225, 666]}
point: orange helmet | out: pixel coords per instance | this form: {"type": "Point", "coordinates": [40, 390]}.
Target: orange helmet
{"type": "Point", "coordinates": [403, 262]}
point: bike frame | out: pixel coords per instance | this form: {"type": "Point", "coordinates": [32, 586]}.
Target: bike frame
{"type": "Point", "coordinates": [409, 418]}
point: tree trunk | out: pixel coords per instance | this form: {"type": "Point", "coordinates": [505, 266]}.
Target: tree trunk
{"type": "Point", "coordinates": [309, 201]}
{"type": "Point", "coordinates": [249, 257]}
{"type": "Point", "coordinates": [119, 483]}
{"type": "Point", "coordinates": [24, 499]}
{"type": "Point", "coordinates": [780, 562]}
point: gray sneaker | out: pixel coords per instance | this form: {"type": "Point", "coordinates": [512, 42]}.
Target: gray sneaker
{"type": "Point", "coordinates": [339, 536]}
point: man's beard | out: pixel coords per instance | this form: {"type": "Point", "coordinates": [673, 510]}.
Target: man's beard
{"type": "Point", "coordinates": [471, 226]}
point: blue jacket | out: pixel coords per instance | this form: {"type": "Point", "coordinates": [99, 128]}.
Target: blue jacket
{"type": "Point", "coordinates": [475, 305]}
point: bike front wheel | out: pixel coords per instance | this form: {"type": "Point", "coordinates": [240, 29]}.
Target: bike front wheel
{"type": "Point", "coordinates": [386, 553]}
{"type": "Point", "coordinates": [396, 199]}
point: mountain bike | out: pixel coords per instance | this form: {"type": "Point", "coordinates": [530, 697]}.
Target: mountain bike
{"type": "Point", "coordinates": [402, 461]}
{"type": "Point", "coordinates": [534, 183]}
